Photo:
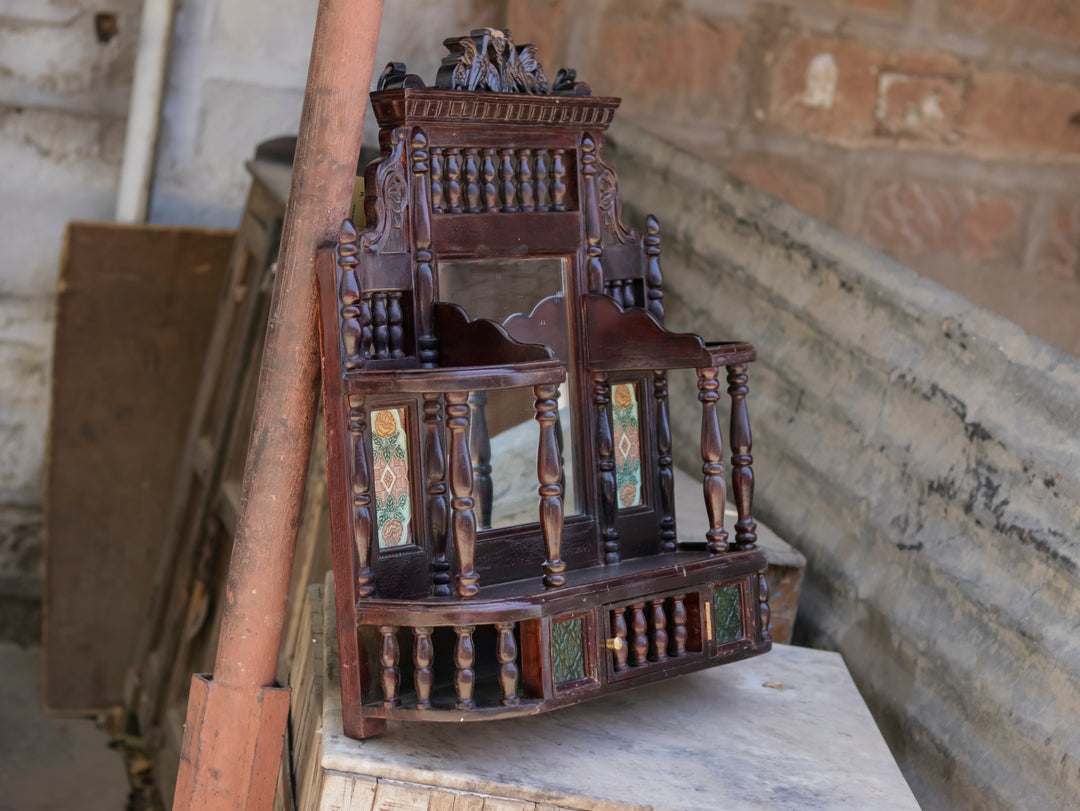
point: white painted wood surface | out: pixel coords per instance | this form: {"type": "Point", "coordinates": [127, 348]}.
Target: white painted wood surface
{"type": "Point", "coordinates": [787, 730]}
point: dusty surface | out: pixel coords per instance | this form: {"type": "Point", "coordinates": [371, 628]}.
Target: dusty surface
{"type": "Point", "coordinates": [50, 764]}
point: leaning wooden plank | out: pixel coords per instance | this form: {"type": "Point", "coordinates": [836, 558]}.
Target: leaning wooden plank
{"type": "Point", "coordinates": [135, 308]}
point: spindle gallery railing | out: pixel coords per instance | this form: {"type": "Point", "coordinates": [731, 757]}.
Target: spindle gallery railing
{"type": "Point", "coordinates": [650, 632]}
{"type": "Point", "coordinates": [486, 180]}
{"type": "Point", "coordinates": [501, 689]}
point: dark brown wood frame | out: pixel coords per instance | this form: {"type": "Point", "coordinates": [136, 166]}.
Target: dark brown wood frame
{"type": "Point", "coordinates": [466, 174]}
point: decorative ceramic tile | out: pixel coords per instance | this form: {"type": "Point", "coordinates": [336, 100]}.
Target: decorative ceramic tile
{"type": "Point", "coordinates": [568, 650]}
{"type": "Point", "coordinates": [393, 505]}
{"type": "Point", "coordinates": [627, 438]}
{"type": "Point", "coordinates": [728, 615]}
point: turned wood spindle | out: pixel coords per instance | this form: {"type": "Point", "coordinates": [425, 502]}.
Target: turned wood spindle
{"type": "Point", "coordinates": [366, 331]}
{"type": "Point", "coordinates": [462, 514]}
{"type": "Point", "coordinates": [388, 658]}
{"type": "Point", "coordinates": [712, 452]}
{"type": "Point", "coordinates": [453, 180]}
{"type": "Point", "coordinates": [421, 191]}
{"type": "Point", "coordinates": [525, 186]}
{"type": "Point", "coordinates": [472, 180]}
{"type": "Point", "coordinates": [618, 631]}
{"type": "Point", "coordinates": [763, 607]}
{"type": "Point", "coordinates": [558, 180]}
{"type": "Point", "coordinates": [489, 191]}
{"type": "Point", "coordinates": [361, 499]}
{"type": "Point", "coordinates": [594, 270]}
{"type": "Point", "coordinates": [506, 174]}
{"type": "Point", "coordinates": [549, 473]}
{"type": "Point", "coordinates": [665, 468]}
{"type": "Point", "coordinates": [678, 622]}
{"type": "Point", "coordinates": [423, 658]}
{"type": "Point", "coordinates": [381, 327]}
{"type": "Point", "coordinates": [639, 644]}
{"type": "Point", "coordinates": [435, 466]}
{"type": "Point", "coordinates": [506, 652]}
{"type": "Point", "coordinates": [654, 279]}
{"type": "Point", "coordinates": [464, 659]}
{"type": "Point", "coordinates": [350, 295]}
{"type": "Point", "coordinates": [480, 453]}
{"type": "Point", "coordinates": [436, 180]}
{"type": "Point", "coordinates": [659, 642]}
{"type": "Point", "coordinates": [395, 324]}
{"type": "Point", "coordinates": [742, 474]}
{"type": "Point", "coordinates": [541, 175]}
{"type": "Point", "coordinates": [605, 458]}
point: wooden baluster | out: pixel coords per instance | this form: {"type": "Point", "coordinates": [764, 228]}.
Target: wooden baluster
{"type": "Point", "coordinates": [549, 473]}
{"type": "Point", "coordinates": [453, 180]}
{"type": "Point", "coordinates": [618, 631]}
{"type": "Point", "coordinates": [436, 180]}
{"type": "Point", "coordinates": [427, 343]}
{"type": "Point", "coordinates": [639, 643]}
{"type": "Point", "coordinates": [395, 323]}
{"type": "Point", "coordinates": [462, 514]}
{"type": "Point", "coordinates": [361, 502]}
{"type": "Point", "coordinates": [605, 456]}
{"type": "Point", "coordinates": [594, 270]}
{"type": "Point", "coordinates": [365, 326]}
{"type": "Point", "coordinates": [350, 295]}
{"type": "Point", "coordinates": [423, 658]}
{"type": "Point", "coordinates": [664, 463]}
{"type": "Point", "coordinates": [558, 180]}
{"type": "Point", "coordinates": [629, 299]}
{"type": "Point", "coordinates": [506, 652]}
{"type": "Point", "coordinates": [763, 607]}
{"type": "Point", "coordinates": [525, 186]}
{"type": "Point", "coordinates": [659, 641]}
{"type": "Point", "coordinates": [678, 621]}
{"type": "Point", "coordinates": [712, 452]}
{"type": "Point", "coordinates": [506, 173]}
{"type": "Point", "coordinates": [464, 658]}
{"type": "Point", "coordinates": [490, 193]}
{"type": "Point", "coordinates": [480, 454]}
{"type": "Point", "coordinates": [742, 474]}
{"type": "Point", "coordinates": [654, 279]}
{"type": "Point", "coordinates": [388, 658]}
{"type": "Point", "coordinates": [435, 465]}
{"type": "Point", "coordinates": [381, 336]}
{"type": "Point", "coordinates": [472, 180]}
{"type": "Point", "coordinates": [542, 200]}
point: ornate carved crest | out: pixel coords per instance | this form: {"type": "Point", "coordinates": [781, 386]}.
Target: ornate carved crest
{"type": "Point", "coordinates": [387, 234]}
{"type": "Point", "coordinates": [487, 59]}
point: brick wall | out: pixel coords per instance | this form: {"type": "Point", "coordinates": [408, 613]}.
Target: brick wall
{"type": "Point", "coordinates": [920, 451]}
{"type": "Point", "coordinates": [945, 133]}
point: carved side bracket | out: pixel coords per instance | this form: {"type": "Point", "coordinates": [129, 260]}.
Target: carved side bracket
{"type": "Point", "coordinates": [480, 342]}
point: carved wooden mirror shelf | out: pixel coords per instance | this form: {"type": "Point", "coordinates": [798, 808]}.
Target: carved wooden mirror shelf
{"type": "Point", "coordinates": [495, 385]}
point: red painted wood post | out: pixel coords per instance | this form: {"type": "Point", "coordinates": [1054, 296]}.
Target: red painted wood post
{"type": "Point", "coordinates": [236, 718]}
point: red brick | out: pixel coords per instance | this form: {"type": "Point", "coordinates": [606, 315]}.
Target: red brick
{"type": "Point", "coordinates": [913, 219]}
{"type": "Point", "coordinates": [1058, 254]}
{"type": "Point", "coordinates": [1006, 18]}
{"type": "Point", "coordinates": [791, 183]}
{"type": "Point", "coordinates": [670, 65]}
{"type": "Point", "coordinates": [1008, 112]}
{"type": "Point", "coordinates": [799, 97]}
{"type": "Point", "coordinates": [924, 107]}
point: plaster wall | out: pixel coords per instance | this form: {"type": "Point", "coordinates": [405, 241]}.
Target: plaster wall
{"type": "Point", "coordinates": [920, 451]}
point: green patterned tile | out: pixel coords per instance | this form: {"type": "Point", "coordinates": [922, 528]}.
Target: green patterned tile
{"type": "Point", "coordinates": [568, 650]}
{"type": "Point", "coordinates": [627, 438]}
{"type": "Point", "coordinates": [726, 609]}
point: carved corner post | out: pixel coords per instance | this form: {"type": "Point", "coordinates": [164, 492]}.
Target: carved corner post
{"type": "Point", "coordinates": [742, 474]}
{"type": "Point", "coordinates": [664, 463]}
{"type": "Point", "coordinates": [480, 452]}
{"type": "Point", "coordinates": [361, 500]}
{"type": "Point", "coordinates": [605, 456]}
{"type": "Point", "coordinates": [435, 467]}
{"type": "Point", "coordinates": [591, 204]}
{"type": "Point", "coordinates": [236, 720]}
{"type": "Point", "coordinates": [462, 514]}
{"type": "Point", "coordinates": [424, 284]}
{"type": "Point", "coordinates": [549, 473]}
{"type": "Point", "coordinates": [355, 314]}
{"type": "Point", "coordinates": [712, 452]}
{"type": "Point", "coordinates": [654, 279]}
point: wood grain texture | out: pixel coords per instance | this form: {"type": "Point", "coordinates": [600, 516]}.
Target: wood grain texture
{"type": "Point", "coordinates": [136, 303]}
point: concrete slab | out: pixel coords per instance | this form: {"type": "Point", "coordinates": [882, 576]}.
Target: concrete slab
{"type": "Point", "coordinates": [49, 763]}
